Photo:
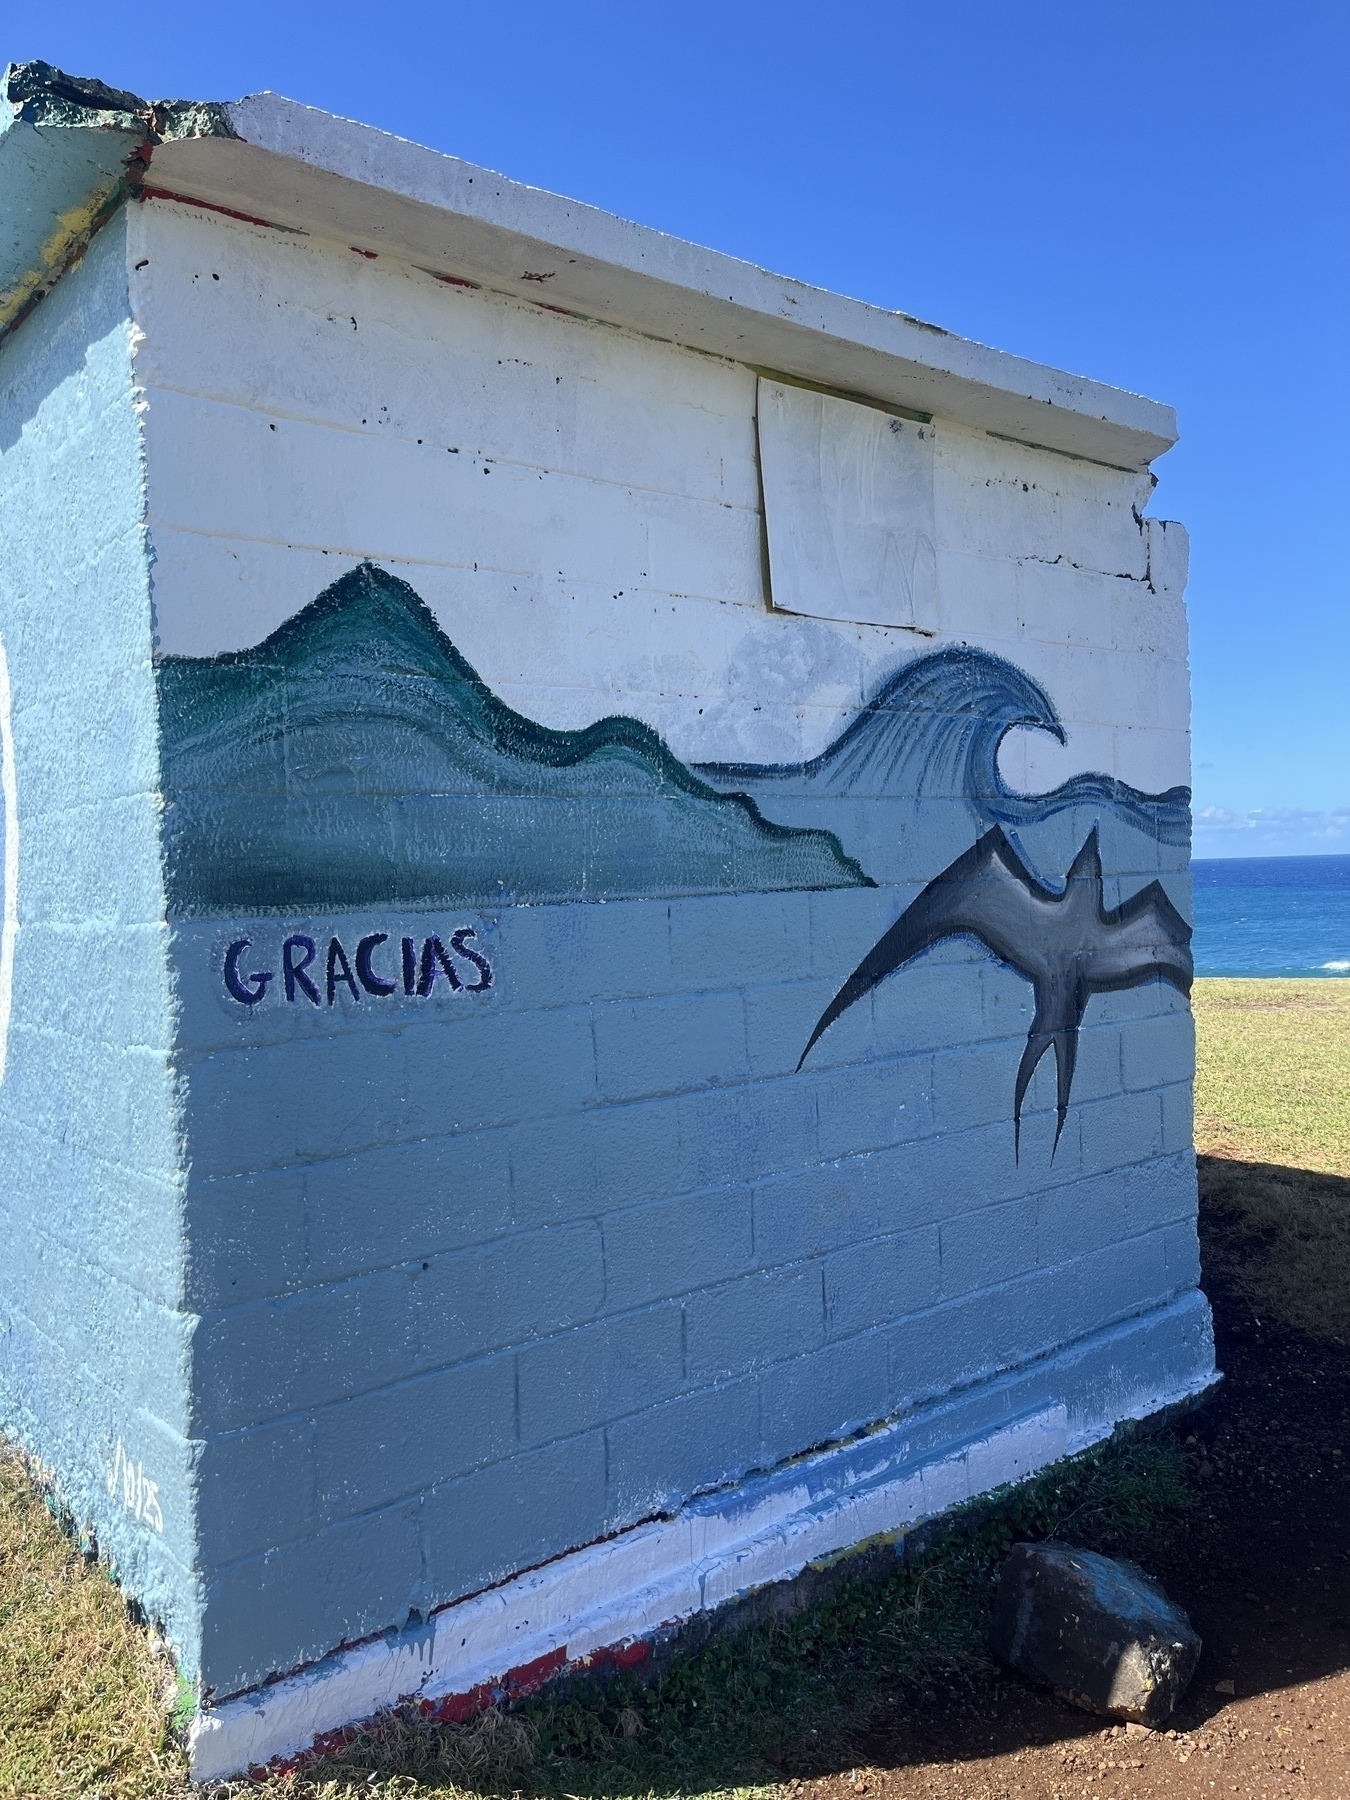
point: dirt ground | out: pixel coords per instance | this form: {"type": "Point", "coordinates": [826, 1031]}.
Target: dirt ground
{"type": "Point", "coordinates": [1263, 1569]}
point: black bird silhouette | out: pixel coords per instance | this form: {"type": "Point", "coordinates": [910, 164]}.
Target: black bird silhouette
{"type": "Point", "coordinates": [1068, 946]}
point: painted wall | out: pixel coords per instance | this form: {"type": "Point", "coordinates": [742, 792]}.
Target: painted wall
{"type": "Point", "coordinates": [94, 1339]}
{"type": "Point", "coordinates": [592, 1034]}
{"type": "Point", "coordinates": [487, 1271]}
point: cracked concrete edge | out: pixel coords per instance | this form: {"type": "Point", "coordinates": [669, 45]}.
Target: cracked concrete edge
{"type": "Point", "coordinates": [42, 94]}
{"type": "Point", "coordinates": [71, 150]}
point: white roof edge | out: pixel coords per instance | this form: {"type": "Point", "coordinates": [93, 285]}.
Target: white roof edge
{"type": "Point", "coordinates": [297, 166]}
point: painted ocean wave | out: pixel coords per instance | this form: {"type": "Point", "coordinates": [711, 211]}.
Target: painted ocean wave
{"type": "Point", "coordinates": [933, 730]}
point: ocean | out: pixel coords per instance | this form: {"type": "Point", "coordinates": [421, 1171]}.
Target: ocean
{"type": "Point", "coordinates": [1272, 915]}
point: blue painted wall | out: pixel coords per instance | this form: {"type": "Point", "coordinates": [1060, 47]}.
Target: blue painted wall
{"type": "Point", "coordinates": [488, 1272]}
{"type": "Point", "coordinates": [94, 1342]}
{"type": "Point", "coordinates": [480, 1286]}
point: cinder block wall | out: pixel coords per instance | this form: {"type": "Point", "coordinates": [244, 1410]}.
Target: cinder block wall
{"type": "Point", "coordinates": [94, 1336]}
{"type": "Point", "coordinates": [330, 1301]}
{"type": "Point", "coordinates": [484, 1276]}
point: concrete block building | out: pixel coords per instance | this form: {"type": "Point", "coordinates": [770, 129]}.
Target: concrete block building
{"type": "Point", "coordinates": [594, 957]}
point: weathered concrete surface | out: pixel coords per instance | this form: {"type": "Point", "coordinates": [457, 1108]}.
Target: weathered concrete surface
{"type": "Point", "coordinates": [1101, 1633]}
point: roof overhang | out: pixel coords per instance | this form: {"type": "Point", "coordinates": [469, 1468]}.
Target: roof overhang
{"type": "Point", "coordinates": [71, 150]}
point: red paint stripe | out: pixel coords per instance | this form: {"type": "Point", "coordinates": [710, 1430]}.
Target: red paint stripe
{"type": "Point", "coordinates": [531, 1676]}
{"type": "Point", "coordinates": [458, 1709]}
{"type": "Point", "coordinates": [454, 280]}
{"type": "Point", "coordinates": [147, 192]}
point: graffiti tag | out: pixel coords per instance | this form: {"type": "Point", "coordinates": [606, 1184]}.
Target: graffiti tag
{"type": "Point", "coordinates": [140, 1495]}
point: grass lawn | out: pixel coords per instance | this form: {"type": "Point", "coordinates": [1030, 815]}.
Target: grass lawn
{"type": "Point", "coordinates": [1272, 1126]}
{"type": "Point", "coordinates": [84, 1698]}
{"type": "Point", "coordinates": [1273, 1072]}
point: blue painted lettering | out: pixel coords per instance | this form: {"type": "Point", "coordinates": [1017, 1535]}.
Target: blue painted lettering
{"type": "Point", "coordinates": [293, 971]}
{"type": "Point", "coordinates": [249, 989]}
{"type": "Point", "coordinates": [481, 963]}
{"type": "Point", "coordinates": [423, 963]}
{"type": "Point", "coordinates": [365, 974]}
{"type": "Point", "coordinates": [435, 961]}
{"type": "Point", "coordinates": [339, 969]}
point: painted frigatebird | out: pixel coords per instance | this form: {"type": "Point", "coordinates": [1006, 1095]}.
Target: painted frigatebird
{"type": "Point", "coordinates": [1067, 945]}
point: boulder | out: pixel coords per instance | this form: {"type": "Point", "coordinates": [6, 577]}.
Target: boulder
{"type": "Point", "coordinates": [1099, 1632]}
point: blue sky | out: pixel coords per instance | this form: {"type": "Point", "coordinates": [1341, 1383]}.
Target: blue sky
{"type": "Point", "coordinates": [1154, 195]}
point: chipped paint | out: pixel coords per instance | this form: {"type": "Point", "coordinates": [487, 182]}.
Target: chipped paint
{"type": "Point", "coordinates": [71, 218]}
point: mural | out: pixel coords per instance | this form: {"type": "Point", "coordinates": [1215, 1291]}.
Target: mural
{"type": "Point", "coordinates": [1067, 945]}
{"type": "Point", "coordinates": [354, 757]}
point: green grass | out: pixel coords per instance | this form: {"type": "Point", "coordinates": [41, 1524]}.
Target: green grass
{"type": "Point", "coordinates": [1272, 1123]}
{"type": "Point", "coordinates": [85, 1700]}
{"type": "Point", "coordinates": [84, 1696]}
{"type": "Point", "coordinates": [1273, 1072]}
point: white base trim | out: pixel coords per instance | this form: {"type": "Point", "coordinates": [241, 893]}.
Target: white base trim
{"type": "Point", "coordinates": [628, 1588]}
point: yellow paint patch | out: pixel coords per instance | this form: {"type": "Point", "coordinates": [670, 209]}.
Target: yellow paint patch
{"type": "Point", "coordinates": [71, 233]}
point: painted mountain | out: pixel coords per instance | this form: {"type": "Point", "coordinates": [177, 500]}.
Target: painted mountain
{"type": "Point", "coordinates": [355, 758]}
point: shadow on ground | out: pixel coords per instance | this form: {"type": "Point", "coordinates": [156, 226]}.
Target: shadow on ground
{"type": "Point", "coordinates": [1241, 1510]}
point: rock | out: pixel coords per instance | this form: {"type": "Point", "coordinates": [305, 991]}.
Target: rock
{"type": "Point", "coordinates": [1101, 1633]}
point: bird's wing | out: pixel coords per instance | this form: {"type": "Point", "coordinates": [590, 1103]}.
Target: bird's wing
{"type": "Point", "coordinates": [1144, 937]}
{"type": "Point", "coordinates": [988, 893]}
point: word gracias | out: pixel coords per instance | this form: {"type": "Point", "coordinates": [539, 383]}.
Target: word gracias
{"type": "Point", "coordinates": [420, 970]}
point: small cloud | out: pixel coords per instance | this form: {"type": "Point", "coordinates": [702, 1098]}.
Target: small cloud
{"type": "Point", "coordinates": [1285, 815]}
{"type": "Point", "coordinates": [1271, 831]}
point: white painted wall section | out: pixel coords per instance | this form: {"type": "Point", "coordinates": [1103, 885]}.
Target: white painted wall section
{"type": "Point", "coordinates": [581, 510]}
